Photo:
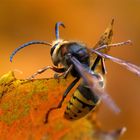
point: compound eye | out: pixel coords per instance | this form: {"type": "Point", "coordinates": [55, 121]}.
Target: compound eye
{"type": "Point", "coordinates": [53, 48]}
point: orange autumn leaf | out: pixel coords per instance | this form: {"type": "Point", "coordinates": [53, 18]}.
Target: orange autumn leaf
{"type": "Point", "coordinates": [23, 106]}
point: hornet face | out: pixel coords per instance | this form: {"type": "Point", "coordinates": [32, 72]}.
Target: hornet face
{"type": "Point", "coordinates": [55, 51]}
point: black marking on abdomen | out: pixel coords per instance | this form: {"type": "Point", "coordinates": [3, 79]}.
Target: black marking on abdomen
{"type": "Point", "coordinates": [84, 104]}
{"type": "Point", "coordinates": [78, 109]}
{"type": "Point", "coordinates": [87, 93]}
{"type": "Point", "coordinates": [72, 113]}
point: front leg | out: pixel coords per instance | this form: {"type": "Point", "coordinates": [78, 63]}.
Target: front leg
{"type": "Point", "coordinates": [40, 71]}
{"type": "Point", "coordinates": [63, 75]}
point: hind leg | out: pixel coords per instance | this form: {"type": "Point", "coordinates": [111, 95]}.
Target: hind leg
{"type": "Point", "coordinates": [62, 100]}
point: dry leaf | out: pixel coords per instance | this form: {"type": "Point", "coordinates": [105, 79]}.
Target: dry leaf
{"type": "Point", "coordinates": [23, 106]}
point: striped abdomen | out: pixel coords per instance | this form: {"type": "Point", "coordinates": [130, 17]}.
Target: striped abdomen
{"type": "Point", "coordinates": [81, 103]}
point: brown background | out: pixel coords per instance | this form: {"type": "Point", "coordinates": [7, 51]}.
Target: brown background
{"type": "Point", "coordinates": [25, 20]}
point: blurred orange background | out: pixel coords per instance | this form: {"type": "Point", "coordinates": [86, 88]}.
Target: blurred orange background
{"type": "Point", "coordinates": [85, 20]}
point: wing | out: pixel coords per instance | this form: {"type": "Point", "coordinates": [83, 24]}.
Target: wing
{"type": "Point", "coordinates": [129, 66]}
{"type": "Point", "coordinates": [93, 84]}
{"type": "Point", "coordinates": [105, 39]}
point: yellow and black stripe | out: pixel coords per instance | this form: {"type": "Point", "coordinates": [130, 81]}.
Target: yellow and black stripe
{"type": "Point", "coordinates": [81, 103]}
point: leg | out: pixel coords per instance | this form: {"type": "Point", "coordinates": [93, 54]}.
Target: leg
{"type": "Point", "coordinates": [65, 74]}
{"type": "Point", "coordinates": [95, 63]}
{"type": "Point", "coordinates": [128, 42]}
{"type": "Point", "coordinates": [102, 64]}
{"type": "Point", "coordinates": [64, 96]}
{"type": "Point", "coordinates": [59, 70]}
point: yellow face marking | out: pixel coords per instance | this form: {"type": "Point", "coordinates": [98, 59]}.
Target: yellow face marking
{"type": "Point", "coordinates": [60, 42]}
